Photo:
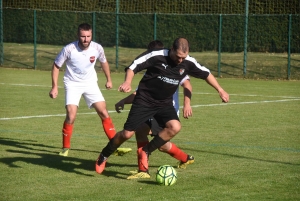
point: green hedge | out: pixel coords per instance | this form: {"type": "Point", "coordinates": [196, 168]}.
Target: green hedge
{"type": "Point", "coordinates": [266, 33]}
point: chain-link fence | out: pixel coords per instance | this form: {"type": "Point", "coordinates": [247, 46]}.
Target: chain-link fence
{"type": "Point", "coordinates": [264, 46]}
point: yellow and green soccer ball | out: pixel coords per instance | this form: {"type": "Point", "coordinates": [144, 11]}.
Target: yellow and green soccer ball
{"type": "Point", "coordinates": [166, 175]}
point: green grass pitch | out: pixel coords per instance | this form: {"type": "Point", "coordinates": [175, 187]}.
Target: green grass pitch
{"type": "Point", "coordinates": [248, 149]}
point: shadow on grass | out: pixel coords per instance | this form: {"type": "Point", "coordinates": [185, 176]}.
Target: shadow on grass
{"type": "Point", "coordinates": [293, 59]}
{"type": "Point", "coordinates": [241, 69]}
{"type": "Point", "coordinates": [49, 58]}
{"type": "Point", "coordinates": [39, 154]}
{"type": "Point", "coordinates": [119, 175]}
{"type": "Point", "coordinates": [23, 64]}
{"type": "Point", "coordinates": [67, 164]}
{"type": "Point", "coordinates": [296, 67]}
{"type": "Point", "coordinates": [244, 157]}
{"type": "Point", "coordinates": [148, 182]}
{"type": "Point", "coordinates": [24, 144]}
{"type": "Point", "coordinates": [52, 53]}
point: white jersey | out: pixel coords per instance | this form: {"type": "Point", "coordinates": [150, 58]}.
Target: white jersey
{"type": "Point", "coordinates": [80, 63]}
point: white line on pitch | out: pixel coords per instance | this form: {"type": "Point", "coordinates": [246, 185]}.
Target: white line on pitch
{"type": "Point", "coordinates": [250, 95]}
{"type": "Point", "coordinates": [250, 102]}
{"type": "Point", "coordinates": [253, 95]}
{"type": "Point", "coordinates": [112, 111]}
{"type": "Point", "coordinates": [29, 85]}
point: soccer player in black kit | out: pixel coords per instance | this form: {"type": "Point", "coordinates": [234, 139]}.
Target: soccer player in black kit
{"type": "Point", "coordinates": [164, 70]}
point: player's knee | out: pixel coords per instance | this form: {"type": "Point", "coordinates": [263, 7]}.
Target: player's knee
{"type": "Point", "coordinates": [70, 119]}
{"type": "Point", "coordinates": [174, 127]}
{"type": "Point", "coordinates": [103, 114]}
{"type": "Point", "coordinates": [127, 134]}
{"type": "Point", "coordinates": [177, 128]}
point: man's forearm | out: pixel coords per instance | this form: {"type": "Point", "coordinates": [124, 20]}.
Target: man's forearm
{"type": "Point", "coordinates": [54, 75]}
{"type": "Point", "coordinates": [129, 76]}
{"type": "Point", "coordinates": [106, 70]}
{"type": "Point", "coordinates": [211, 80]}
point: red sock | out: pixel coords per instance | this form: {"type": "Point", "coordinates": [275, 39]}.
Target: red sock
{"type": "Point", "coordinates": [141, 144]}
{"type": "Point", "coordinates": [109, 127]}
{"type": "Point", "coordinates": [177, 153]}
{"type": "Point", "coordinates": [66, 135]}
{"type": "Point", "coordinates": [142, 166]}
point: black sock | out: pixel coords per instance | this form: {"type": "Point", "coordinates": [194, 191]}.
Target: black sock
{"type": "Point", "coordinates": [110, 148]}
{"type": "Point", "coordinates": [154, 144]}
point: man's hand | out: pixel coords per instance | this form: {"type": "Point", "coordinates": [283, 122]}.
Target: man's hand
{"type": "Point", "coordinates": [211, 80]}
{"type": "Point", "coordinates": [119, 106]}
{"type": "Point", "coordinates": [224, 96]}
{"type": "Point", "coordinates": [125, 87]}
{"type": "Point", "coordinates": [187, 111]}
{"type": "Point", "coordinates": [108, 85]}
{"type": "Point", "coordinates": [53, 93]}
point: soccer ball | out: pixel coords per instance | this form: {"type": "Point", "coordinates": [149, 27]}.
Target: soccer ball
{"type": "Point", "coordinates": [166, 175]}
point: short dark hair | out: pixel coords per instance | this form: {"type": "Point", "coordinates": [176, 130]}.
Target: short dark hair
{"type": "Point", "coordinates": [84, 26]}
{"type": "Point", "coordinates": [155, 44]}
{"type": "Point", "coordinates": [181, 44]}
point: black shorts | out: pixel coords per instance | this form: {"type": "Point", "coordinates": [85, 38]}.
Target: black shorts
{"type": "Point", "coordinates": [139, 114]}
{"type": "Point", "coordinates": [154, 127]}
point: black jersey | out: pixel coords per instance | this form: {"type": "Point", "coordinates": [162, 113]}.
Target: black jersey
{"type": "Point", "coordinates": [162, 76]}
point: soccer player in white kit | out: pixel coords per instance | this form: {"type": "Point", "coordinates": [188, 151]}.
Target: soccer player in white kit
{"type": "Point", "coordinates": [80, 79]}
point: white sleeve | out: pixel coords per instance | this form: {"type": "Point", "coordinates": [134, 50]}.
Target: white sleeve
{"type": "Point", "coordinates": [61, 57]}
{"type": "Point", "coordinates": [184, 79]}
{"type": "Point", "coordinates": [99, 48]}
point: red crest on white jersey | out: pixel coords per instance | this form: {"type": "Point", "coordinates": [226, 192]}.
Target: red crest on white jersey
{"type": "Point", "coordinates": [92, 59]}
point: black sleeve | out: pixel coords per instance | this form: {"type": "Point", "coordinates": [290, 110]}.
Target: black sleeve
{"type": "Point", "coordinates": [196, 69]}
{"type": "Point", "coordinates": [143, 61]}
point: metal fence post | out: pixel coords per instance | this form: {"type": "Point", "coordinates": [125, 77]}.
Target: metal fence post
{"type": "Point", "coordinates": [117, 33]}
{"type": "Point", "coordinates": [1, 35]}
{"type": "Point", "coordinates": [94, 26]}
{"type": "Point", "coordinates": [220, 44]}
{"type": "Point", "coordinates": [246, 36]}
{"type": "Point", "coordinates": [154, 31]}
{"type": "Point", "coordinates": [289, 47]}
{"type": "Point", "coordinates": [34, 37]}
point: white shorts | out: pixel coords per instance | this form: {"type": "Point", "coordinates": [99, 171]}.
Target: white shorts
{"type": "Point", "coordinates": [90, 92]}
